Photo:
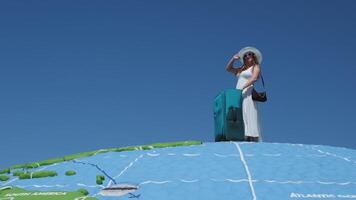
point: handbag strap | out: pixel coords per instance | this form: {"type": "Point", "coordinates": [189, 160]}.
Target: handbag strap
{"type": "Point", "coordinates": [263, 82]}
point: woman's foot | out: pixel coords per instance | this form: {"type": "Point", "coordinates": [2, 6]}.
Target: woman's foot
{"type": "Point", "coordinates": [251, 139]}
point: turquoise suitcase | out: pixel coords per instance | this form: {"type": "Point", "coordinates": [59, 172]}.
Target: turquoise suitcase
{"type": "Point", "coordinates": [228, 119]}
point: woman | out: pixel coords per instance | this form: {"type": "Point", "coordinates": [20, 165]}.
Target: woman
{"type": "Point", "coordinates": [247, 75]}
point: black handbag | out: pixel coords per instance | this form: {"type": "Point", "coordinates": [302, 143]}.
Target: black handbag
{"type": "Point", "coordinates": [259, 96]}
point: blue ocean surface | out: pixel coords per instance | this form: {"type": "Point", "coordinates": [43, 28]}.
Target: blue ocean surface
{"type": "Point", "coordinates": [223, 170]}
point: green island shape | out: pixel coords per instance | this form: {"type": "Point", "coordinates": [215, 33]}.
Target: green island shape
{"type": "Point", "coordinates": [91, 153]}
{"type": "Point", "coordinates": [38, 174]}
{"type": "Point", "coordinates": [70, 173]}
{"type": "Point", "coordinates": [21, 194]}
{"type": "Point", "coordinates": [4, 178]}
{"type": "Point", "coordinates": [100, 179]}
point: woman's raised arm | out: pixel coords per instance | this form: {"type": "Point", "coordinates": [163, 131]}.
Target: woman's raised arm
{"type": "Point", "coordinates": [230, 64]}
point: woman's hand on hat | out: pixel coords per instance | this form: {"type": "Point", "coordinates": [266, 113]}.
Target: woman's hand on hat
{"type": "Point", "coordinates": [236, 56]}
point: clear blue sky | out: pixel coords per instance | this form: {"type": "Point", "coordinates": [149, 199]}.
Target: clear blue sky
{"type": "Point", "coordinates": [83, 75]}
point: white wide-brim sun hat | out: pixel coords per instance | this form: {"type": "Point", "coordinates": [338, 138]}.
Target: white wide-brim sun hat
{"type": "Point", "coordinates": [244, 50]}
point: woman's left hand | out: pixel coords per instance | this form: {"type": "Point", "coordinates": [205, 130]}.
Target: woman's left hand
{"type": "Point", "coordinates": [236, 56]}
{"type": "Point", "coordinates": [244, 90]}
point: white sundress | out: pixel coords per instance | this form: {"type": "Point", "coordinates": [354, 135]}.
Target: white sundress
{"type": "Point", "coordinates": [250, 112]}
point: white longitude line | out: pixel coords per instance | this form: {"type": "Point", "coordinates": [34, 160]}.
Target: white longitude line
{"type": "Point", "coordinates": [122, 171]}
{"type": "Point", "coordinates": [247, 170]}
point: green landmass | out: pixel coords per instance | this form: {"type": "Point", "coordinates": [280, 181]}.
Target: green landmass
{"type": "Point", "coordinates": [83, 191]}
{"type": "Point", "coordinates": [18, 173]}
{"type": "Point", "coordinates": [4, 178]}
{"type": "Point", "coordinates": [37, 174]}
{"type": "Point", "coordinates": [5, 171]}
{"type": "Point", "coordinates": [70, 173]}
{"type": "Point", "coordinates": [91, 153]}
{"type": "Point", "coordinates": [100, 179]}
{"type": "Point", "coordinates": [22, 194]}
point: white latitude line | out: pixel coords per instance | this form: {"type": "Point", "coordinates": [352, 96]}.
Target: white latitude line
{"type": "Point", "coordinates": [247, 170]}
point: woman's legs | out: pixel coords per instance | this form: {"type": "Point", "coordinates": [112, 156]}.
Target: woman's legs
{"type": "Point", "coordinates": [251, 118]}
